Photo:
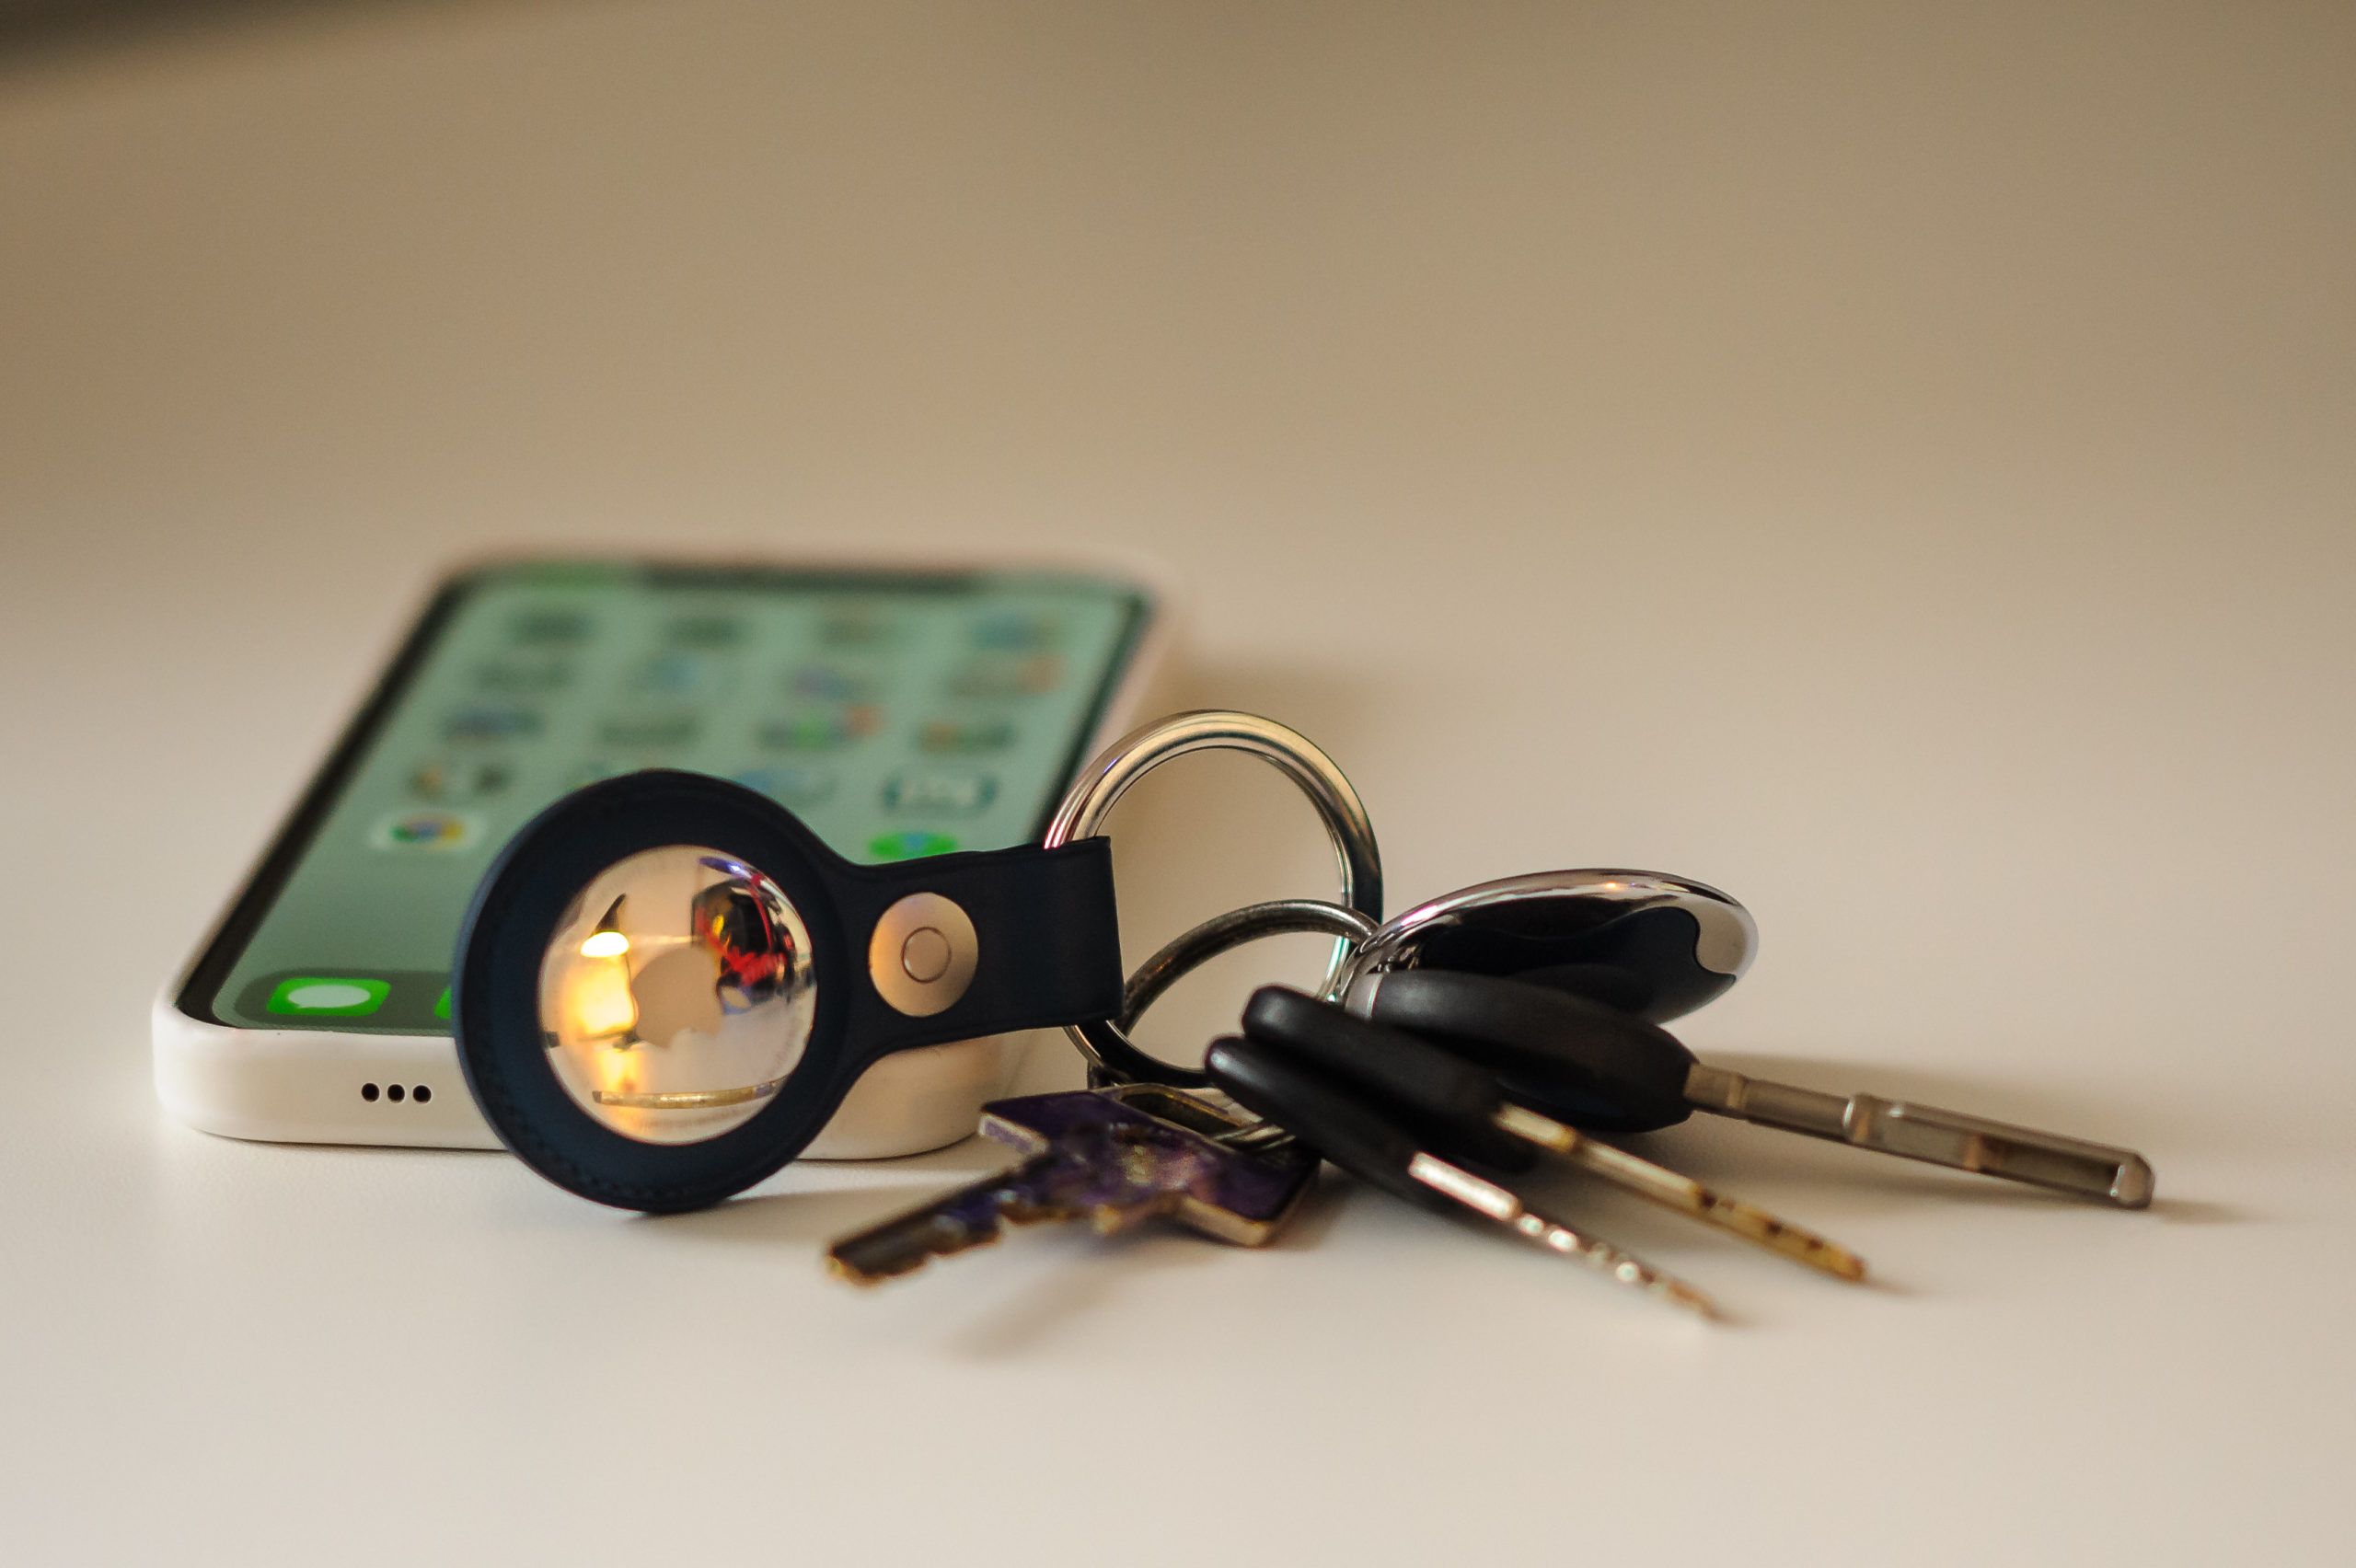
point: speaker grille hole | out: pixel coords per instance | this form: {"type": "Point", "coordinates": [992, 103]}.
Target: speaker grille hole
{"type": "Point", "coordinates": [367, 1091]}
{"type": "Point", "coordinates": [422, 1093]}
{"type": "Point", "coordinates": [394, 1093]}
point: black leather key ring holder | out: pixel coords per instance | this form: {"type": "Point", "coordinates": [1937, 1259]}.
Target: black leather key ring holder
{"type": "Point", "coordinates": [666, 984]}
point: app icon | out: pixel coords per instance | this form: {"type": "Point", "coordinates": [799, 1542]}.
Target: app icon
{"type": "Point", "coordinates": [910, 845]}
{"type": "Point", "coordinates": [657, 730]}
{"type": "Point", "coordinates": [1018, 631]}
{"type": "Point", "coordinates": [493, 722]}
{"type": "Point", "coordinates": [448, 780]}
{"type": "Point", "coordinates": [829, 683]}
{"type": "Point", "coordinates": [855, 625]}
{"type": "Point", "coordinates": [789, 786]}
{"type": "Point", "coordinates": [538, 673]}
{"type": "Point", "coordinates": [1006, 674]}
{"type": "Point", "coordinates": [706, 631]}
{"type": "Point", "coordinates": [442, 1005]}
{"type": "Point", "coordinates": [425, 830]}
{"type": "Point", "coordinates": [820, 728]}
{"type": "Point", "coordinates": [328, 996]}
{"type": "Point", "coordinates": [549, 625]}
{"type": "Point", "coordinates": [930, 792]}
{"type": "Point", "coordinates": [679, 674]}
{"type": "Point", "coordinates": [954, 735]}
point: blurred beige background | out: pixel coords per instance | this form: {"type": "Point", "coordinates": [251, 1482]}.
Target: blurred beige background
{"type": "Point", "coordinates": [1895, 463]}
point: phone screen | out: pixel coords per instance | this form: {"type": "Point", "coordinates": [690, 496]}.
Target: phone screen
{"type": "Point", "coordinates": [898, 714]}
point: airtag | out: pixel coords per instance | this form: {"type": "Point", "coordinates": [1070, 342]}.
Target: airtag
{"type": "Point", "coordinates": [677, 995]}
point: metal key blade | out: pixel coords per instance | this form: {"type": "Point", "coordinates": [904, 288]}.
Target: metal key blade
{"type": "Point", "coordinates": [1926, 1132]}
{"type": "Point", "coordinates": [1682, 1194]}
{"type": "Point", "coordinates": [1459, 1107]}
{"type": "Point", "coordinates": [971, 1217]}
{"type": "Point", "coordinates": [1351, 1132]}
{"type": "Point", "coordinates": [1507, 1209]}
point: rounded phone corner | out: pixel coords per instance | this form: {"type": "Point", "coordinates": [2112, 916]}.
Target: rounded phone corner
{"type": "Point", "coordinates": [297, 1086]}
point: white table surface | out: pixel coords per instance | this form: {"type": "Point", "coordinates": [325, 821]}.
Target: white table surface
{"type": "Point", "coordinates": [1895, 464]}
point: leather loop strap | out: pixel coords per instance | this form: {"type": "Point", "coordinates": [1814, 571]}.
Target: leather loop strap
{"type": "Point", "coordinates": [1046, 933]}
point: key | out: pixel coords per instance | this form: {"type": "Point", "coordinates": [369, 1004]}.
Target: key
{"type": "Point", "coordinates": [1594, 1067]}
{"type": "Point", "coordinates": [1114, 1158]}
{"type": "Point", "coordinates": [1460, 1108]}
{"type": "Point", "coordinates": [1350, 1132]}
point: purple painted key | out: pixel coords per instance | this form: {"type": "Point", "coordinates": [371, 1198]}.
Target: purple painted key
{"type": "Point", "coordinates": [1113, 1158]}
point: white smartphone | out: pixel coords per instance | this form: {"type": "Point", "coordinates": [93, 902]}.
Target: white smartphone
{"type": "Point", "coordinates": [897, 711]}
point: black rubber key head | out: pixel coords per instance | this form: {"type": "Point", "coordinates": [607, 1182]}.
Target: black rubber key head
{"type": "Point", "coordinates": [1578, 1061]}
{"type": "Point", "coordinates": [1324, 1115]}
{"type": "Point", "coordinates": [1446, 1101]}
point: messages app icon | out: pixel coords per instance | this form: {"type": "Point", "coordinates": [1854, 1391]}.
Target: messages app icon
{"type": "Point", "coordinates": [330, 996]}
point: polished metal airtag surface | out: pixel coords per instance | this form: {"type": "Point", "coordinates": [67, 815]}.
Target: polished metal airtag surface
{"type": "Point", "coordinates": [677, 995]}
{"type": "Point", "coordinates": [923, 954]}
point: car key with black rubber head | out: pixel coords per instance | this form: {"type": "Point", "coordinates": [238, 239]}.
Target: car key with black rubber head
{"type": "Point", "coordinates": [1597, 1067]}
{"type": "Point", "coordinates": [1114, 1158]}
{"type": "Point", "coordinates": [1461, 1109]}
{"type": "Point", "coordinates": [1354, 1135]}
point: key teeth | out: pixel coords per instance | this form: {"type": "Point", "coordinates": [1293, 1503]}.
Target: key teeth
{"type": "Point", "coordinates": [1623, 1268]}
{"type": "Point", "coordinates": [1745, 1221]}
{"type": "Point", "coordinates": [868, 1279]}
{"type": "Point", "coordinates": [892, 1252]}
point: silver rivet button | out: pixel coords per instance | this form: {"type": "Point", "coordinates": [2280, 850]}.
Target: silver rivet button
{"type": "Point", "coordinates": [922, 954]}
{"type": "Point", "coordinates": [925, 955]}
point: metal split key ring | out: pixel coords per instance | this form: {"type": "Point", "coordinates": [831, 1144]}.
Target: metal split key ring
{"type": "Point", "coordinates": [1091, 797]}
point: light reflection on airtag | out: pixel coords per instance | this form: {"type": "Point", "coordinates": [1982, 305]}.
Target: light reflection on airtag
{"type": "Point", "coordinates": [677, 995]}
